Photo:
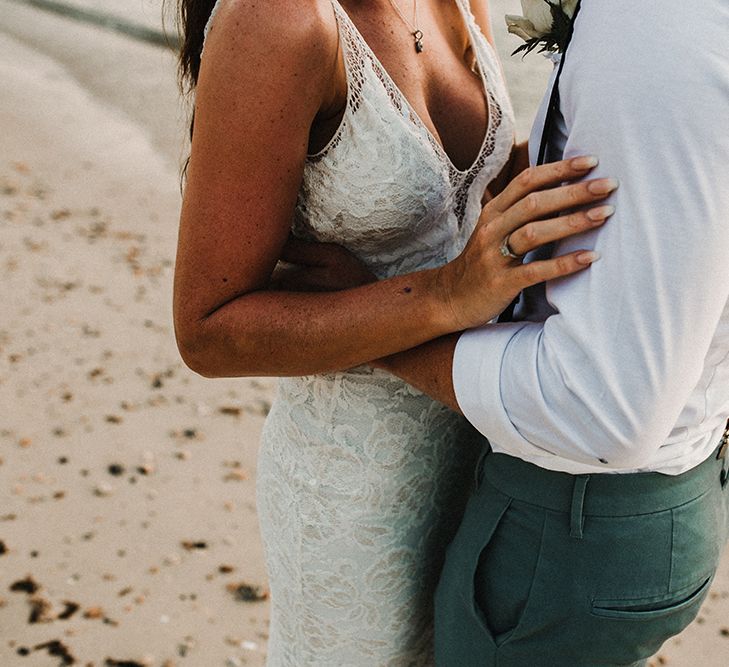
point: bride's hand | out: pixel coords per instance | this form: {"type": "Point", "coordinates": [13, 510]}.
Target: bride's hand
{"type": "Point", "coordinates": [481, 282]}
{"type": "Point", "coordinates": [307, 266]}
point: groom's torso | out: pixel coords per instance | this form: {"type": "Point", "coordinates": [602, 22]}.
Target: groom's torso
{"type": "Point", "coordinates": [692, 47]}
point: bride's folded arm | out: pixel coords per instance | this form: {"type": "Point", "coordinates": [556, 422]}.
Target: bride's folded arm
{"type": "Point", "coordinates": [262, 86]}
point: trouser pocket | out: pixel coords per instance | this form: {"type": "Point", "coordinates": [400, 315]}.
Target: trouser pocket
{"type": "Point", "coordinates": [462, 639]}
{"type": "Point", "coordinates": [639, 627]}
{"type": "Point", "coordinates": [643, 603]}
{"type": "Point", "coordinates": [603, 600]}
{"type": "Point", "coordinates": [507, 568]}
{"type": "Point", "coordinates": [650, 609]}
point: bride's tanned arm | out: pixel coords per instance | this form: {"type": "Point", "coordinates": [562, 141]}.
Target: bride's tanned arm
{"type": "Point", "coordinates": [264, 81]}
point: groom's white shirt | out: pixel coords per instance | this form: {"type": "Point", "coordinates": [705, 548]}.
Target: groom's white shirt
{"type": "Point", "coordinates": [625, 366]}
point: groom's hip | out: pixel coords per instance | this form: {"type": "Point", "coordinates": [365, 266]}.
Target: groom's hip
{"type": "Point", "coordinates": [556, 569]}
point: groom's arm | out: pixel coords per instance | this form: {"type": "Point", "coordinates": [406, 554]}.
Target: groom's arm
{"type": "Point", "coordinates": [428, 367]}
{"type": "Point", "coordinates": [603, 381]}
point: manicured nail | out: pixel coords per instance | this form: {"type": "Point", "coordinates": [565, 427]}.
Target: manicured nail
{"type": "Point", "coordinates": [588, 257]}
{"type": "Point", "coordinates": [584, 162]}
{"type": "Point", "coordinates": [603, 186]}
{"type": "Point", "coordinates": [600, 213]}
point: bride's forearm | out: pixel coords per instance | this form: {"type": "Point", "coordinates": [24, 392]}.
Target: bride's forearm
{"type": "Point", "coordinates": [258, 332]}
{"type": "Point", "coordinates": [294, 333]}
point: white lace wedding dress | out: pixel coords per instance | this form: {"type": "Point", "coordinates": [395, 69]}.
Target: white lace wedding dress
{"type": "Point", "coordinates": [362, 479]}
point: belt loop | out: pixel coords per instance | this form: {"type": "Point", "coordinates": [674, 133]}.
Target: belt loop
{"type": "Point", "coordinates": [578, 502]}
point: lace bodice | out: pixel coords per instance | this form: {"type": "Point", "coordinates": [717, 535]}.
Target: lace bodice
{"type": "Point", "coordinates": [383, 186]}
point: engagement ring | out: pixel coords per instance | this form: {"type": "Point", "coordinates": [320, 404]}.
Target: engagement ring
{"type": "Point", "coordinates": [506, 251]}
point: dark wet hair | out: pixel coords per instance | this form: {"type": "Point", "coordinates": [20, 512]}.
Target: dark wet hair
{"type": "Point", "coordinates": [191, 16]}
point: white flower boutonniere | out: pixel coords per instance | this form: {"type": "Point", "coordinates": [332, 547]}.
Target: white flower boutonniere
{"type": "Point", "coordinates": [545, 23]}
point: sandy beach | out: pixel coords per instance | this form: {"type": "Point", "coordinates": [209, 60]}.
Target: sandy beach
{"type": "Point", "coordinates": [128, 532]}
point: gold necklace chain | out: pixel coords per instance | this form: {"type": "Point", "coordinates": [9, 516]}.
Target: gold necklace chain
{"type": "Point", "coordinates": [413, 27]}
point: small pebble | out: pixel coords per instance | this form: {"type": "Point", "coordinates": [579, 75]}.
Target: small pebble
{"type": "Point", "coordinates": [70, 609]}
{"type": "Point", "coordinates": [39, 611]}
{"type": "Point", "coordinates": [247, 593]}
{"type": "Point", "coordinates": [236, 475]}
{"type": "Point", "coordinates": [192, 546]}
{"type": "Point", "coordinates": [103, 489]}
{"type": "Point", "coordinates": [26, 585]}
{"type": "Point", "coordinates": [57, 649]}
{"type": "Point", "coordinates": [116, 469]}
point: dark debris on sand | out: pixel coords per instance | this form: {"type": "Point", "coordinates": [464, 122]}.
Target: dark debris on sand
{"type": "Point", "coordinates": [40, 610]}
{"type": "Point", "coordinates": [69, 610]}
{"type": "Point", "coordinates": [26, 585]}
{"type": "Point", "coordinates": [192, 545]}
{"type": "Point", "coordinates": [58, 649]}
{"type": "Point", "coordinates": [244, 592]}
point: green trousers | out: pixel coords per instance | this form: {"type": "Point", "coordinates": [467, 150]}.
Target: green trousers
{"type": "Point", "coordinates": [556, 570]}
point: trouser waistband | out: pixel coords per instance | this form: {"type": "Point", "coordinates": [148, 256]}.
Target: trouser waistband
{"type": "Point", "coordinates": [601, 494]}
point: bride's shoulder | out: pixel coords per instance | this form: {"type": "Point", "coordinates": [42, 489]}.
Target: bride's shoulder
{"type": "Point", "coordinates": [286, 14]}
{"type": "Point", "coordinates": [306, 28]}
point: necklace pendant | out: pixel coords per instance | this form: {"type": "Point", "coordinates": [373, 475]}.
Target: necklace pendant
{"type": "Point", "coordinates": [418, 36]}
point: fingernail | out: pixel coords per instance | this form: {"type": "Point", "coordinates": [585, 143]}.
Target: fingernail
{"type": "Point", "coordinates": [603, 186]}
{"type": "Point", "coordinates": [588, 257]}
{"type": "Point", "coordinates": [584, 162]}
{"type": "Point", "coordinates": [600, 213]}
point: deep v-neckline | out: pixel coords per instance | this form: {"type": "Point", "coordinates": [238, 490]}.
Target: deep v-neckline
{"type": "Point", "coordinates": [418, 121]}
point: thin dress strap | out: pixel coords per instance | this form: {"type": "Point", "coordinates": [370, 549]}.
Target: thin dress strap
{"type": "Point", "coordinates": [353, 56]}
{"type": "Point", "coordinates": [209, 25]}
{"type": "Point", "coordinates": [478, 38]}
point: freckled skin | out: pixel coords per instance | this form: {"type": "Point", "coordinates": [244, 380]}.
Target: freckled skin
{"type": "Point", "coordinates": [268, 92]}
{"type": "Point", "coordinates": [243, 179]}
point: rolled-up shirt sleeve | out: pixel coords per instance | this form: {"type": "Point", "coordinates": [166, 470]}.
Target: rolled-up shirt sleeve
{"type": "Point", "coordinates": [603, 380]}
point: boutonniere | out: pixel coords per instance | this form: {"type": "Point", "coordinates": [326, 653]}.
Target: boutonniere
{"type": "Point", "coordinates": [545, 23]}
